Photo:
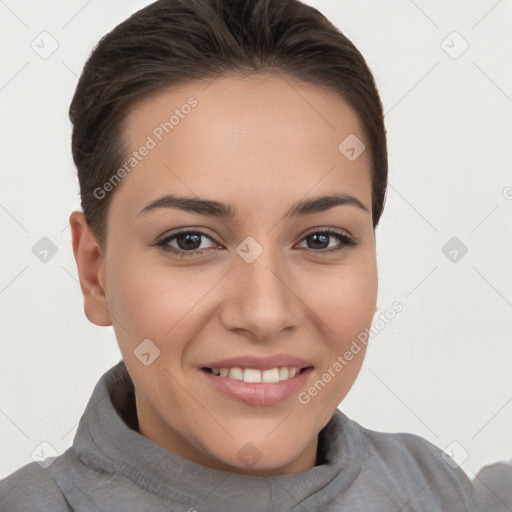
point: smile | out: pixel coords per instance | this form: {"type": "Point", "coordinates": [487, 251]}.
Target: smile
{"type": "Point", "coordinates": [258, 387]}
{"type": "Point", "coordinates": [254, 375]}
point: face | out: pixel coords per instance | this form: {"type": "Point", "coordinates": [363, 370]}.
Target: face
{"type": "Point", "coordinates": [247, 284]}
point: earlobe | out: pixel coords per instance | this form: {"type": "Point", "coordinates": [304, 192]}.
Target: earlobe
{"type": "Point", "coordinates": [90, 265]}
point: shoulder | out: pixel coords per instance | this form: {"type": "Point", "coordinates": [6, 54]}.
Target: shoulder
{"type": "Point", "coordinates": [408, 457]}
{"type": "Point", "coordinates": [31, 488]}
{"type": "Point", "coordinates": [409, 451]}
{"type": "Point", "coordinates": [401, 451]}
{"type": "Point", "coordinates": [493, 487]}
{"type": "Point", "coordinates": [405, 448]}
{"type": "Point", "coordinates": [416, 469]}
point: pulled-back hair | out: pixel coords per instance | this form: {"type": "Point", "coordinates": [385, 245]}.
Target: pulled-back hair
{"type": "Point", "coordinates": [173, 42]}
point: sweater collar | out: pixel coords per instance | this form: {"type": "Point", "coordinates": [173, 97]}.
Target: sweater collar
{"type": "Point", "coordinates": [107, 439]}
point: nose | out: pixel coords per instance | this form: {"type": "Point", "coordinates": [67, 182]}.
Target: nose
{"type": "Point", "coordinates": [263, 299]}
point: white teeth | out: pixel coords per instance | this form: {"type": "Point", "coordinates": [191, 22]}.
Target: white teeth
{"type": "Point", "coordinates": [235, 373]}
{"type": "Point", "coordinates": [253, 375]}
{"type": "Point", "coordinates": [270, 376]}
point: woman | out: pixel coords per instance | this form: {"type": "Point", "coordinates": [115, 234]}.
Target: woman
{"type": "Point", "coordinates": [233, 167]}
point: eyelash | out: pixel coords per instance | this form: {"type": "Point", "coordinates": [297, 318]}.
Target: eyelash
{"type": "Point", "coordinates": [346, 241]}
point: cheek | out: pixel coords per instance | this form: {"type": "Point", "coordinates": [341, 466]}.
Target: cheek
{"type": "Point", "coordinates": [347, 304]}
{"type": "Point", "coordinates": [157, 302]}
{"type": "Point", "coordinates": [153, 301]}
{"type": "Point", "coordinates": [346, 309]}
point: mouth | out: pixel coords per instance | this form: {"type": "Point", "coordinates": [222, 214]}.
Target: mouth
{"type": "Point", "coordinates": [256, 376]}
{"type": "Point", "coordinates": [257, 387]}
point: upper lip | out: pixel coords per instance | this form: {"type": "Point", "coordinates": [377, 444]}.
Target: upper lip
{"type": "Point", "coordinates": [261, 363]}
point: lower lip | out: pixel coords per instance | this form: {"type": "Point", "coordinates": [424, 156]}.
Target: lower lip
{"type": "Point", "coordinates": [259, 393]}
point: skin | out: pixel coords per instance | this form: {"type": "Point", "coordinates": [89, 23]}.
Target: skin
{"type": "Point", "coordinates": [260, 143]}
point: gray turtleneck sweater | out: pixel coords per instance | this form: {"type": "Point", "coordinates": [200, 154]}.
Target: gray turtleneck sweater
{"type": "Point", "coordinates": [111, 467]}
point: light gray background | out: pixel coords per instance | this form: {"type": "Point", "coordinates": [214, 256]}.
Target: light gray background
{"type": "Point", "coordinates": [441, 369]}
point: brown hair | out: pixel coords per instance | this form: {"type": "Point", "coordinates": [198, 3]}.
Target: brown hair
{"type": "Point", "coordinates": [176, 41]}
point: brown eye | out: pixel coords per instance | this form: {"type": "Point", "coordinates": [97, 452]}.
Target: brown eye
{"type": "Point", "coordinates": [319, 240]}
{"type": "Point", "coordinates": [187, 242]}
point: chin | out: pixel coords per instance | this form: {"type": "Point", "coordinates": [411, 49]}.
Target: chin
{"type": "Point", "coordinates": [261, 458]}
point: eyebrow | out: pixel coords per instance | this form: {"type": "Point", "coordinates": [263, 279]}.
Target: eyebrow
{"type": "Point", "coordinates": [217, 209]}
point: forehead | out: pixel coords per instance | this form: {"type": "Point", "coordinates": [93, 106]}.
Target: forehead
{"type": "Point", "coordinates": [260, 137]}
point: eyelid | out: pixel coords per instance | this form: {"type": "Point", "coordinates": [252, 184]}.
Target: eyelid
{"type": "Point", "coordinates": [346, 239]}
{"type": "Point", "coordinates": [210, 234]}
{"type": "Point", "coordinates": [179, 231]}
{"type": "Point", "coordinates": [165, 239]}
{"type": "Point", "coordinates": [339, 231]}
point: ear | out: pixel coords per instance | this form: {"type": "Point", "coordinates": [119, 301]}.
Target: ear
{"type": "Point", "coordinates": [91, 268]}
